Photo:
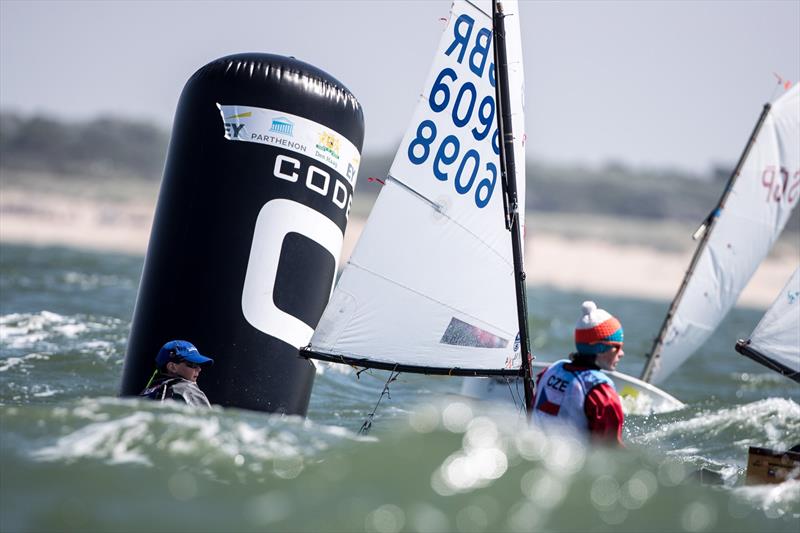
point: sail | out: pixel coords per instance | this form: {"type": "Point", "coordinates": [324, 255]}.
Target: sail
{"type": "Point", "coordinates": [741, 233]}
{"type": "Point", "coordinates": [429, 286]}
{"type": "Point", "coordinates": [775, 342]}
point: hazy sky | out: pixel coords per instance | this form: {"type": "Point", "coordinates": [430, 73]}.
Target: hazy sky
{"type": "Point", "coordinates": [650, 83]}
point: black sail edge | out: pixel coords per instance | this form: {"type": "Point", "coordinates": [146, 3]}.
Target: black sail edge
{"type": "Point", "coordinates": [709, 223]}
{"type": "Point", "coordinates": [413, 369]}
{"type": "Point", "coordinates": [744, 348]}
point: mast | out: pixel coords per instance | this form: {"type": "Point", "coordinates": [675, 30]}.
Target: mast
{"type": "Point", "coordinates": [508, 173]}
{"type": "Point", "coordinates": [706, 229]}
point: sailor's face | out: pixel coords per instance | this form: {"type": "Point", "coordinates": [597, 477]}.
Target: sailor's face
{"type": "Point", "coordinates": [186, 370]}
{"type": "Point", "coordinates": [609, 359]}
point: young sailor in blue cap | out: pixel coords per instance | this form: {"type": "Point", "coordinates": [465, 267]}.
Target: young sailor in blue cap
{"type": "Point", "coordinates": [178, 364]}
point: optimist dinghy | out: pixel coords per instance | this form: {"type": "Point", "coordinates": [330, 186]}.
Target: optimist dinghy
{"type": "Point", "coordinates": [436, 283]}
{"type": "Point", "coordinates": [775, 343]}
{"type": "Point", "coordinates": [736, 237]}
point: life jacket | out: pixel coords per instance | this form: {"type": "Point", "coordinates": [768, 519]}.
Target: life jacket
{"type": "Point", "coordinates": [162, 390]}
{"type": "Point", "coordinates": [561, 395]}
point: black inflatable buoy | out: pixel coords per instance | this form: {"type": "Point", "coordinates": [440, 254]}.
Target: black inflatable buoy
{"type": "Point", "coordinates": [248, 228]}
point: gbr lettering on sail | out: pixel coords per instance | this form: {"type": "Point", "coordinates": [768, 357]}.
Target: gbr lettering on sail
{"type": "Point", "coordinates": [455, 136]}
{"type": "Point", "coordinates": [781, 184]}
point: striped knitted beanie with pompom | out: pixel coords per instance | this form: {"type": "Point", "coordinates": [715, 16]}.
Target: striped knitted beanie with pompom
{"type": "Point", "coordinates": [596, 330]}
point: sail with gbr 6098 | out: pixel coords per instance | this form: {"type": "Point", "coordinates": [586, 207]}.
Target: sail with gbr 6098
{"type": "Point", "coordinates": [430, 285]}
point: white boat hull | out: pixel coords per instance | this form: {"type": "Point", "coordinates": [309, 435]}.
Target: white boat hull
{"type": "Point", "coordinates": [637, 396]}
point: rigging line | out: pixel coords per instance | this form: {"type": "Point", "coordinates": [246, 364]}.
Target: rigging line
{"type": "Point", "coordinates": [475, 5]}
{"type": "Point", "coordinates": [440, 209]}
{"type": "Point", "coordinates": [343, 361]}
{"type": "Point", "coordinates": [514, 397]}
{"type": "Point", "coordinates": [434, 300]}
{"type": "Point", "coordinates": [781, 84]}
{"type": "Point", "coordinates": [365, 427]}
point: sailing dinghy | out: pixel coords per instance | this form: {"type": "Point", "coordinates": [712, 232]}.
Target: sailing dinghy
{"type": "Point", "coordinates": [775, 343]}
{"type": "Point", "coordinates": [435, 284]}
{"type": "Point", "coordinates": [638, 397]}
{"type": "Point", "coordinates": [736, 236]}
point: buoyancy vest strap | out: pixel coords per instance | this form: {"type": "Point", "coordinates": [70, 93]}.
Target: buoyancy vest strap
{"type": "Point", "coordinates": [150, 381]}
{"type": "Point", "coordinates": [152, 392]}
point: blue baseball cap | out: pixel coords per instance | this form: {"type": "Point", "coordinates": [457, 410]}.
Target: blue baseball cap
{"type": "Point", "coordinates": [177, 351]}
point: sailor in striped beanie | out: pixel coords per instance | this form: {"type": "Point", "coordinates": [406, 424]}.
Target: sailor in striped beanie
{"type": "Point", "coordinates": [575, 392]}
{"type": "Point", "coordinates": [596, 334]}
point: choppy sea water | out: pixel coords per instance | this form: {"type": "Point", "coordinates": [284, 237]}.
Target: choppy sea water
{"type": "Point", "coordinates": [74, 456]}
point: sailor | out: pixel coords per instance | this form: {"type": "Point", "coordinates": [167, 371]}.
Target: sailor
{"type": "Point", "coordinates": [575, 392]}
{"type": "Point", "coordinates": [178, 364]}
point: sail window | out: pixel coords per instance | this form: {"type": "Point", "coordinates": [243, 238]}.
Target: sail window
{"type": "Point", "coordinates": [460, 333]}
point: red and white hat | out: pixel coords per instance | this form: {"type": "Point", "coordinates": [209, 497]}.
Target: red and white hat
{"type": "Point", "coordinates": [596, 330]}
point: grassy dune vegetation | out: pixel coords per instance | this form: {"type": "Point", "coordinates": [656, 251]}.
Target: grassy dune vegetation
{"type": "Point", "coordinates": [118, 158]}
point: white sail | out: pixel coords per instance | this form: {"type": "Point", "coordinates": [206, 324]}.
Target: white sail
{"type": "Point", "coordinates": [430, 284]}
{"type": "Point", "coordinates": [776, 340]}
{"type": "Point", "coordinates": [757, 208]}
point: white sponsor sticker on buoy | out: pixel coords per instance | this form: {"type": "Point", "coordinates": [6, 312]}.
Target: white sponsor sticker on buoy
{"type": "Point", "coordinates": [291, 132]}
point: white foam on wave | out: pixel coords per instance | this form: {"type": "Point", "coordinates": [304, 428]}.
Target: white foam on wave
{"type": "Point", "coordinates": [643, 404]}
{"type": "Point", "coordinates": [768, 418]}
{"type": "Point", "coordinates": [23, 364]}
{"type": "Point", "coordinates": [50, 332]}
{"type": "Point", "coordinates": [103, 349]}
{"type": "Point", "coordinates": [326, 366]}
{"type": "Point", "coordinates": [109, 432]}
{"type": "Point", "coordinates": [776, 500]}
{"type": "Point", "coordinates": [114, 442]}
{"type": "Point", "coordinates": [44, 391]}
{"type": "Point", "coordinates": [20, 330]}
{"type": "Point", "coordinates": [71, 330]}
{"type": "Point", "coordinates": [87, 281]}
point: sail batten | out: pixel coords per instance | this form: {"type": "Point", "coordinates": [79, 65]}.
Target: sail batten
{"type": "Point", "coordinates": [436, 207]}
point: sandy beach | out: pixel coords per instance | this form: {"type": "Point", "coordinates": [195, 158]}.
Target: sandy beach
{"type": "Point", "coordinates": [647, 261]}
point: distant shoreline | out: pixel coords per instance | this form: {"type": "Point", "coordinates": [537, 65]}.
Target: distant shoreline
{"type": "Point", "coordinates": [646, 259]}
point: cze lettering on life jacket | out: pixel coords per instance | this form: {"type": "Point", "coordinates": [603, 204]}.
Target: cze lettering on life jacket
{"type": "Point", "coordinates": [557, 383]}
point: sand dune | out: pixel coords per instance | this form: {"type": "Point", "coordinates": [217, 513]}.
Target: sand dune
{"type": "Point", "coordinates": [567, 258]}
